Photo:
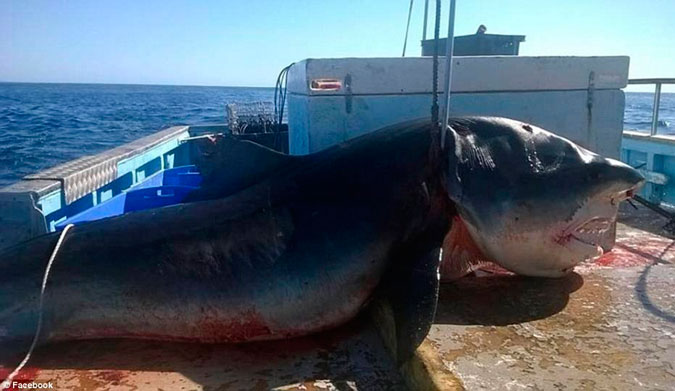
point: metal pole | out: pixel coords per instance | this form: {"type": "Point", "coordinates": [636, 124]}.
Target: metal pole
{"type": "Point", "coordinates": [449, 45]}
{"type": "Point", "coordinates": [655, 112]}
{"type": "Point", "coordinates": [407, 28]}
{"type": "Point", "coordinates": [426, 16]}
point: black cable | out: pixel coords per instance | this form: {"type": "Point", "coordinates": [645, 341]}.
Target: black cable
{"type": "Point", "coordinates": [280, 91]}
{"type": "Point", "coordinates": [277, 89]}
{"type": "Point", "coordinates": [436, 157]}
{"type": "Point", "coordinates": [407, 27]}
{"type": "Point", "coordinates": [283, 97]}
{"type": "Point", "coordinates": [434, 94]}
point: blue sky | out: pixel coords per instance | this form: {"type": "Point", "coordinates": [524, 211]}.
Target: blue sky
{"type": "Point", "coordinates": [246, 43]}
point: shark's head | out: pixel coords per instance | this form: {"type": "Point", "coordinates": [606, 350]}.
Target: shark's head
{"type": "Point", "coordinates": [533, 202]}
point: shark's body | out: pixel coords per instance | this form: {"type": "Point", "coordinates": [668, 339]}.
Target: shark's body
{"type": "Point", "coordinates": [297, 245]}
{"type": "Point", "coordinates": [301, 250]}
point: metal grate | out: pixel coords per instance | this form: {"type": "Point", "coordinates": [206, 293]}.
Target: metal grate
{"type": "Point", "coordinates": [251, 117]}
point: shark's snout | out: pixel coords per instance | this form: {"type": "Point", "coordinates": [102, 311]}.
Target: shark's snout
{"type": "Point", "coordinates": [582, 236]}
{"type": "Point", "coordinates": [621, 176]}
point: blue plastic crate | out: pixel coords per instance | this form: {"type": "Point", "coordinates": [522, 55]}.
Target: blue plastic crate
{"type": "Point", "coordinates": [167, 187]}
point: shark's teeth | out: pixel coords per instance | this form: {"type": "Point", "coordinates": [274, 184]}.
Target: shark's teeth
{"type": "Point", "coordinates": [589, 231]}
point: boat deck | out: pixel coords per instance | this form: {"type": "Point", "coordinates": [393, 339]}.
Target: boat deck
{"type": "Point", "coordinates": [609, 325]}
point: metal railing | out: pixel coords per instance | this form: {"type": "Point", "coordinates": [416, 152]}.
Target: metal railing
{"type": "Point", "coordinates": [657, 97]}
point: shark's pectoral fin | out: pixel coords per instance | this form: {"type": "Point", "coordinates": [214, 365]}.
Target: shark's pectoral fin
{"type": "Point", "coordinates": [406, 310]}
{"type": "Point", "coordinates": [461, 254]}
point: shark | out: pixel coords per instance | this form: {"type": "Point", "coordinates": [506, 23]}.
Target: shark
{"type": "Point", "coordinates": [275, 246]}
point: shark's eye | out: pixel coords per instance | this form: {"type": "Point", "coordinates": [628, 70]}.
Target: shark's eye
{"type": "Point", "coordinates": [550, 160]}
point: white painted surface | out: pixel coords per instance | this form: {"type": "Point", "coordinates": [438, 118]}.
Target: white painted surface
{"type": "Point", "coordinates": [551, 92]}
{"type": "Point", "coordinates": [412, 75]}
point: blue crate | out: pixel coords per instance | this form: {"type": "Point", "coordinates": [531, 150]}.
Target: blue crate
{"type": "Point", "coordinates": [167, 187]}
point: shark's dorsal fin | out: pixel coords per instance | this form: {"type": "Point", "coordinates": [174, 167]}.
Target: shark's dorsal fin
{"type": "Point", "coordinates": [228, 165]}
{"type": "Point", "coordinates": [461, 254]}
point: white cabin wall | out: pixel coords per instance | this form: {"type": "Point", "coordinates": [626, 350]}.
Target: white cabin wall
{"type": "Point", "coordinates": [551, 92]}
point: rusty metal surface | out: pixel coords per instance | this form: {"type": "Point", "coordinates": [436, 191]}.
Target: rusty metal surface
{"type": "Point", "coordinates": [349, 358]}
{"type": "Point", "coordinates": [609, 326]}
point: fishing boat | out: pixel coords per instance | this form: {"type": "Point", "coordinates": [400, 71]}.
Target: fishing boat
{"type": "Point", "coordinates": [329, 101]}
{"type": "Point", "coordinates": [609, 325]}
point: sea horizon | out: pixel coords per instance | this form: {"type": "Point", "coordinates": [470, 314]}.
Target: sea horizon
{"type": "Point", "coordinates": [47, 123]}
{"type": "Point", "coordinates": [203, 85]}
{"type": "Point", "coordinates": [129, 84]}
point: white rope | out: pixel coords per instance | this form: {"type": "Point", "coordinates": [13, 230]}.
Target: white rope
{"type": "Point", "coordinates": [16, 371]}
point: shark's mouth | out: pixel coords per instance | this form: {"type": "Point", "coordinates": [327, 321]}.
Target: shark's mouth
{"type": "Point", "coordinates": [584, 238]}
{"type": "Point", "coordinates": [585, 235]}
{"type": "Point", "coordinates": [591, 231]}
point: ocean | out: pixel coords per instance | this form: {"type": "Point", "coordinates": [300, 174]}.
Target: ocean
{"type": "Point", "coordinates": [638, 112]}
{"type": "Point", "coordinates": [42, 125]}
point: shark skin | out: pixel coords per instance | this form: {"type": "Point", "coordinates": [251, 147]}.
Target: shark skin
{"type": "Point", "coordinates": [293, 253]}
{"type": "Point", "coordinates": [293, 245]}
